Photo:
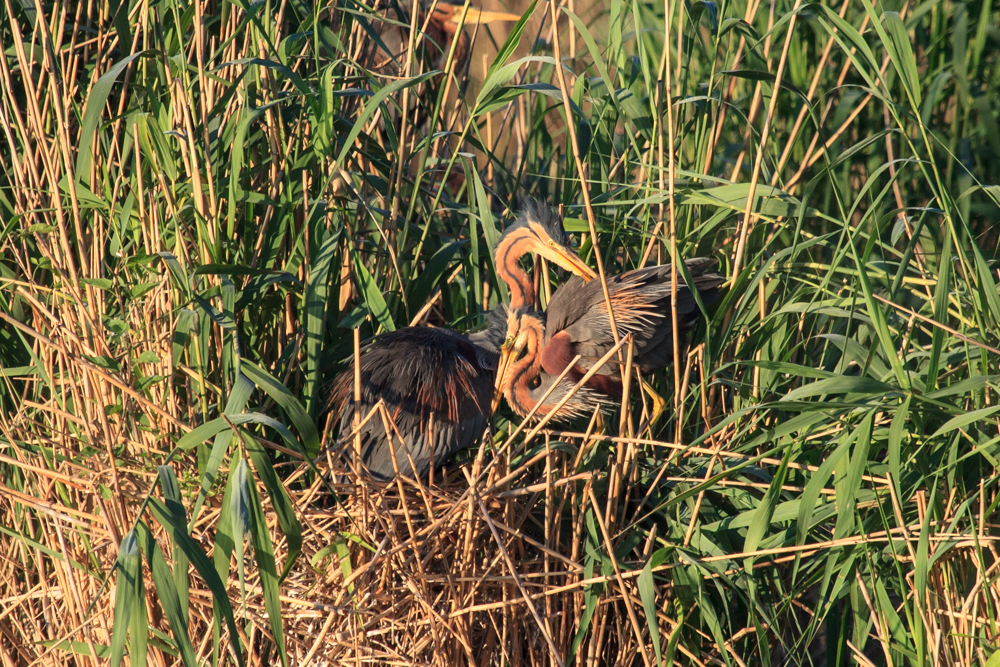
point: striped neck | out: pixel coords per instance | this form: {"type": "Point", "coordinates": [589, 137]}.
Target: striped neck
{"type": "Point", "coordinates": [526, 370]}
{"type": "Point", "coordinates": [509, 251]}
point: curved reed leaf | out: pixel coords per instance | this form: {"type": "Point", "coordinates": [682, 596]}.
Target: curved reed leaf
{"type": "Point", "coordinates": [282, 504]}
{"type": "Point", "coordinates": [266, 566]}
{"type": "Point", "coordinates": [96, 99]}
{"type": "Point", "coordinates": [280, 395]}
{"type": "Point", "coordinates": [130, 601]}
{"type": "Point", "coordinates": [167, 595]}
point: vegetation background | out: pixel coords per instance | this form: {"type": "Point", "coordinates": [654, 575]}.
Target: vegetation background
{"type": "Point", "coordinates": [199, 200]}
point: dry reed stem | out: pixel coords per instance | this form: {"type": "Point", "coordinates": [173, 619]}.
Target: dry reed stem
{"type": "Point", "coordinates": [748, 212]}
{"type": "Point", "coordinates": [582, 175]}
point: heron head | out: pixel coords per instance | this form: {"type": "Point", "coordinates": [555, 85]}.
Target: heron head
{"type": "Point", "coordinates": [541, 231]}
{"type": "Point", "coordinates": [563, 256]}
{"type": "Point", "coordinates": [450, 15]}
{"type": "Point", "coordinates": [522, 329]}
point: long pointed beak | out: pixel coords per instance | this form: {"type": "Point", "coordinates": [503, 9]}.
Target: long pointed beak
{"type": "Point", "coordinates": [505, 357]}
{"type": "Point", "coordinates": [482, 16]}
{"type": "Point", "coordinates": [570, 261]}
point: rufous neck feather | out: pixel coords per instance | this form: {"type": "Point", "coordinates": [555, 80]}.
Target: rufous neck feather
{"type": "Point", "coordinates": [526, 369]}
{"type": "Point", "coordinates": [509, 251]}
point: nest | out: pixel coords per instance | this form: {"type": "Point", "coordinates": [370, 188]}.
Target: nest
{"type": "Point", "coordinates": [480, 567]}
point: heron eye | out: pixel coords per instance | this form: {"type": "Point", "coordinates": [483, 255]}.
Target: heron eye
{"type": "Point", "coordinates": [535, 382]}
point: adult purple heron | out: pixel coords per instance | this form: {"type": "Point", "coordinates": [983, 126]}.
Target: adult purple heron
{"type": "Point", "coordinates": [440, 26]}
{"type": "Point", "coordinates": [538, 347]}
{"type": "Point", "coordinates": [436, 384]}
{"type": "Point", "coordinates": [440, 22]}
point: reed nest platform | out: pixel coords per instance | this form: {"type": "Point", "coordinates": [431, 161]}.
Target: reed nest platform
{"type": "Point", "coordinates": [484, 565]}
{"type": "Point", "coordinates": [528, 555]}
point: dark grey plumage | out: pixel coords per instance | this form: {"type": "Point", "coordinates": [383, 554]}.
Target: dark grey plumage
{"type": "Point", "coordinates": [529, 384]}
{"type": "Point", "coordinates": [577, 324]}
{"type": "Point", "coordinates": [577, 316]}
{"type": "Point", "coordinates": [437, 386]}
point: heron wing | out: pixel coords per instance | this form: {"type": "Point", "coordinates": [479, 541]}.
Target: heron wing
{"type": "Point", "coordinates": [435, 390]}
{"type": "Point", "coordinates": [577, 320]}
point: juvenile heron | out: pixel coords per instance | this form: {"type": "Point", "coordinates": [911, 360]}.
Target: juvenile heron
{"type": "Point", "coordinates": [538, 347]}
{"type": "Point", "coordinates": [436, 384]}
{"type": "Point", "coordinates": [524, 382]}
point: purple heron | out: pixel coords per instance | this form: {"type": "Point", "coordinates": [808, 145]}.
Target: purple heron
{"type": "Point", "coordinates": [440, 22]}
{"type": "Point", "coordinates": [437, 384]}
{"type": "Point", "coordinates": [538, 347]}
{"type": "Point", "coordinates": [386, 37]}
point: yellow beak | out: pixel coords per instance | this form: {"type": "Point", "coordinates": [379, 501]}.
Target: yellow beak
{"type": "Point", "coordinates": [502, 367]}
{"type": "Point", "coordinates": [481, 16]}
{"type": "Point", "coordinates": [570, 261]}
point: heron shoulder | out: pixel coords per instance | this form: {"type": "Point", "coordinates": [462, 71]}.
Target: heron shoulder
{"type": "Point", "coordinates": [570, 302]}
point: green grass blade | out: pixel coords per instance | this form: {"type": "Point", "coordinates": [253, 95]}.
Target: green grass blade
{"type": "Point", "coordinates": [369, 110]}
{"type": "Point", "coordinates": [878, 319]}
{"type": "Point", "coordinates": [493, 75]}
{"type": "Point", "coordinates": [205, 568]}
{"type": "Point", "coordinates": [428, 279]}
{"type": "Point", "coordinates": [78, 648]}
{"type": "Point", "coordinates": [172, 498]}
{"type": "Point", "coordinates": [238, 397]}
{"type": "Point", "coordinates": [266, 567]}
{"type": "Point", "coordinates": [896, 430]}
{"type": "Point", "coordinates": [324, 263]}
{"type": "Point", "coordinates": [129, 599]}
{"type": "Point", "coordinates": [965, 419]}
{"type": "Point", "coordinates": [373, 295]}
{"type": "Point", "coordinates": [765, 510]}
{"type": "Point", "coordinates": [841, 384]}
{"type": "Point", "coordinates": [233, 519]}
{"type": "Point", "coordinates": [903, 58]}
{"type": "Point", "coordinates": [647, 592]}
{"type": "Point", "coordinates": [96, 100]}
{"type": "Point", "coordinates": [282, 504]}
{"type": "Point", "coordinates": [849, 477]}
{"type": "Point", "coordinates": [591, 594]}
{"type": "Point", "coordinates": [168, 596]}
{"type": "Point", "coordinates": [284, 398]}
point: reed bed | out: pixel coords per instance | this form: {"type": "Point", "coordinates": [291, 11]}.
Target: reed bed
{"type": "Point", "coordinates": [203, 203]}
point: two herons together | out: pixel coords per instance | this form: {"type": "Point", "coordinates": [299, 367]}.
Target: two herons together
{"type": "Point", "coordinates": [437, 386]}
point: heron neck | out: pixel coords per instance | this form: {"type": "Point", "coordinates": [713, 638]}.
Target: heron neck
{"type": "Point", "coordinates": [509, 251]}
{"type": "Point", "coordinates": [519, 394]}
